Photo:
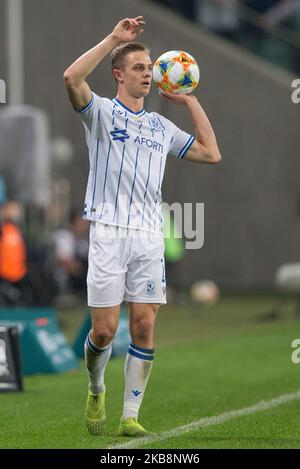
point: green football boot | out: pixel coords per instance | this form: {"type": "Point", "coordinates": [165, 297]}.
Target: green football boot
{"type": "Point", "coordinates": [131, 427]}
{"type": "Point", "coordinates": [95, 413]}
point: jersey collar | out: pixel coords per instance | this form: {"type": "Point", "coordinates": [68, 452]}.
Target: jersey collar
{"type": "Point", "coordinates": [140, 113]}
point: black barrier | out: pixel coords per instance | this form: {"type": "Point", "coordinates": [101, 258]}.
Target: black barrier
{"type": "Point", "coordinates": [10, 364]}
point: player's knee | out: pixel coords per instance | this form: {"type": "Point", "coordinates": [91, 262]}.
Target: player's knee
{"type": "Point", "coordinates": [143, 328]}
{"type": "Point", "coordinates": [103, 336]}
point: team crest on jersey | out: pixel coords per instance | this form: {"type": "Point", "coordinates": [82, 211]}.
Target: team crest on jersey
{"type": "Point", "coordinates": [119, 111]}
{"type": "Point", "coordinates": [155, 123]}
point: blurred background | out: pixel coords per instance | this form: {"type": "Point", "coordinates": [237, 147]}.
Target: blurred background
{"type": "Point", "coordinates": [248, 52]}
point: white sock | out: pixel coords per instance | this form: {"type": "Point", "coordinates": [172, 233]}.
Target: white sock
{"type": "Point", "coordinates": [137, 370]}
{"type": "Point", "coordinates": [96, 359]}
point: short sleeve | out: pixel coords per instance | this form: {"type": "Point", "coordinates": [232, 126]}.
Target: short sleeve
{"type": "Point", "coordinates": [90, 113]}
{"type": "Point", "coordinates": [180, 142]}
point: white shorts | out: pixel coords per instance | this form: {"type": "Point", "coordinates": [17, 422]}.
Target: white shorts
{"type": "Point", "coordinates": [125, 264]}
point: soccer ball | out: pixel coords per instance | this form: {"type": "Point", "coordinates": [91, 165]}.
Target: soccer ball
{"type": "Point", "coordinates": [176, 71]}
{"type": "Point", "coordinates": [287, 277]}
{"type": "Point", "coordinates": [205, 291]}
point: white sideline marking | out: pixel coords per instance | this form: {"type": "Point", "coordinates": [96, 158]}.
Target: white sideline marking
{"type": "Point", "coordinates": [207, 421]}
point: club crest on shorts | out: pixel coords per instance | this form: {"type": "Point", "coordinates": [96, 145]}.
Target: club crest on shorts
{"type": "Point", "coordinates": [150, 287]}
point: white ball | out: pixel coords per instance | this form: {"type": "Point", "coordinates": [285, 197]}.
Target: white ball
{"type": "Point", "coordinates": [205, 291]}
{"type": "Point", "coordinates": [287, 277]}
{"type": "Point", "coordinates": [176, 72]}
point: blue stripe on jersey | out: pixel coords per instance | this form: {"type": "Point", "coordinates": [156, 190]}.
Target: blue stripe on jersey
{"type": "Point", "coordinates": [186, 147]}
{"type": "Point", "coordinates": [139, 113]}
{"type": "Point", "coordinates": [85, 108]}
{"type": "Point", "coordinates": [160, 122]}
{"type": "Point", "coordinates": [105, 177]}
{"type": "Point", "coordinates": [132, 189]}
{"type": "Point", "coordinates": [159, 179]}
{"type": "Point", "coordinates": [148, 177]}
{"type": "Point", "coordinates": [95, 175]}
{"type": "Point", "coordinates": [120, 174]}
{"type": "Point", "coordinates": [158, 187]}
{"type": "Point", "coordinates": [95, 178]}
{"type": "Point", "coordinates": [121, 168]}
{"type": "Point", "coordinates": [107, 160]}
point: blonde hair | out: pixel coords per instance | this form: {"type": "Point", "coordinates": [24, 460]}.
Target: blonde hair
{"type": "Point", "coordinates": [119, 53]}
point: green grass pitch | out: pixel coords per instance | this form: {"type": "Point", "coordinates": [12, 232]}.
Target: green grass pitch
{"type": "Point", "coordinates": [209, 360]}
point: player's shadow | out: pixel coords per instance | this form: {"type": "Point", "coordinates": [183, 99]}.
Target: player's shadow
{"type": "Point", "coordinates": [284, 308]}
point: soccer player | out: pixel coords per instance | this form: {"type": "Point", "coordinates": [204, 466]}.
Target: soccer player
{"type": "Point", "coordinates": [128, 147]}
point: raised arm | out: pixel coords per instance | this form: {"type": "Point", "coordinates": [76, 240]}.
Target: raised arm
{"type": "Point", "coordinates": [205, 148]}
{"type": "Point", "coordinates": [79, 92]}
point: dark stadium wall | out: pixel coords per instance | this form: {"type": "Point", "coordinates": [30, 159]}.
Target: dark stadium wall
{"type": "Point", "coordinates": [251, 221]}
{"type": "Point", "coordinates": [3, 65]}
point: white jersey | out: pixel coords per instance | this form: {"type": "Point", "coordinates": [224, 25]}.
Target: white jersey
{"type": "Point", "coordinates": [127, 152]}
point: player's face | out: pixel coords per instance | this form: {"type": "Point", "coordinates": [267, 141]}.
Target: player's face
{"type": "Point", "coordinates": [137, 74]}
